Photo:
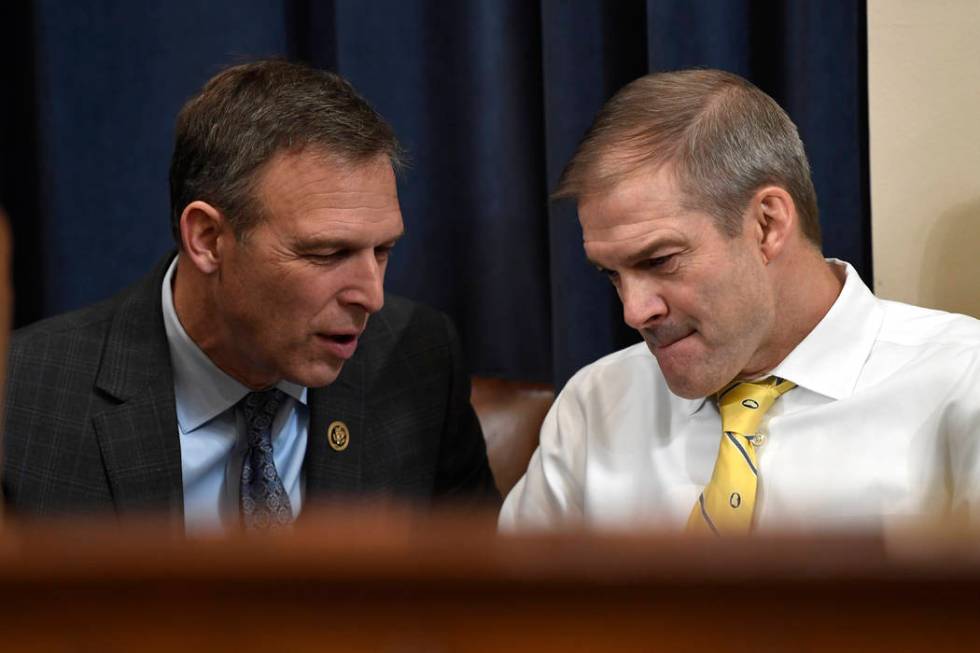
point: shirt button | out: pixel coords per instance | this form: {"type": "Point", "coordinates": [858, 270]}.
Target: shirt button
{"type": "Point", "coordinates": [758, 439]}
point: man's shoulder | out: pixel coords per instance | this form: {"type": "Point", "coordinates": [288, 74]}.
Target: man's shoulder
{"type": "Point", "coordinates": [78, 334]}
{"type": "Point", "coordinates": [90, 319]}
{"type": "Point", "coordinates": [914, 326]}
{"type": "Point", "coordinates": [401, 312]}
{"type": "Point", "coordinates": [619, 375]}
{"type": "Point", "coordinates": [635, 359]}
{"type": "Point", "coordinates": [72, 344]}
{"type": "Point", "coordinates": [86, 322]}
{"type": "Point", "coordinates": [408, 325]}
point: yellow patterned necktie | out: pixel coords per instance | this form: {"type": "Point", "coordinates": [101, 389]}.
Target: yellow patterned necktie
{"type": "Point", "coordinates": [728, 501]}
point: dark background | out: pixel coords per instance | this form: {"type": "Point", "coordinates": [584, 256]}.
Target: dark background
{"type": "Point", "coordinates": [489, 97]}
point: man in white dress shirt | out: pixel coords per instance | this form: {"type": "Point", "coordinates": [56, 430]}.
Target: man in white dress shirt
{"type": "Point", "coordinates": [695, 199]}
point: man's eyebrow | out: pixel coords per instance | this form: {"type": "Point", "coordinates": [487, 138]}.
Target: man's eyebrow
{"type": "Point", "coordinates": [651, 250]}
{"type": "Point", "coordinates": [318, 243]}
{"type": "Point", "coordinates": [648, 251]}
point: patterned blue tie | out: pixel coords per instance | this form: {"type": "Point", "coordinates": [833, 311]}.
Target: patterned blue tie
{"type": "Point", "coordinates": [264, 501]}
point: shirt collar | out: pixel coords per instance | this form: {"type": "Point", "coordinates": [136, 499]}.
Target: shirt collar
{"type": "Point", "coordinates": [830, 358]}
{"type": "Point", "coordinates": [688, 406]}
{"type": "Point", "coordinates": [201, 389]}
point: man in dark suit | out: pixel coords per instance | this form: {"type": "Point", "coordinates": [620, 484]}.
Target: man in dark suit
{"type": "Point", "coordinates": [242, 379]}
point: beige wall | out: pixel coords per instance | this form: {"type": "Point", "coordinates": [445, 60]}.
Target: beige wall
{"type": "Point", "coordinates": [924, 115]}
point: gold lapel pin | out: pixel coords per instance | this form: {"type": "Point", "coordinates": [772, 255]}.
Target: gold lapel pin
{"type": "Point", "coordinates": [338, 435]}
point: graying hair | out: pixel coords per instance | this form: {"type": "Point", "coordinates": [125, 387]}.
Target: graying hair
{"type": "Point", "coordinates": [723, 136]}
{"type": "Point", "coordinates": [247, 114]}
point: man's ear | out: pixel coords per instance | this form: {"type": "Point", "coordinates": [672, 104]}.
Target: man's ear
{"type": "Point", "coordinates": [201, 227]}
{"type": "Point", "coordinates": [774, 217]}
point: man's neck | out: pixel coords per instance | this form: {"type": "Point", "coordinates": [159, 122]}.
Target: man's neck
{"type": "Point", "coordinates": [807, 297]}
{"type": "Point", "coordinates": [807, 289]}
{"type": "Point", "coordinates": [194, 309]}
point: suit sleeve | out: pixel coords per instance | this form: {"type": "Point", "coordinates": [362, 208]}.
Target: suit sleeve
{"type": "Point", "coordinates": [464, 474]}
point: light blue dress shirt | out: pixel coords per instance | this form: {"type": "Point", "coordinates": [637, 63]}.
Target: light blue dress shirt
{"type": "Point", "coordinates": [211, 430]}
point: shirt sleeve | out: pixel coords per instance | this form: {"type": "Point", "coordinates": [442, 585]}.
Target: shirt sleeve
{"type": "Point", "coordinates": [550, 494]}
{"type": "Point", "coordinates": [963, 442]}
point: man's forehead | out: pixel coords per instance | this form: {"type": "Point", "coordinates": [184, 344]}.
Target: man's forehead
{"type": "Point", "coordinates": [291, 178]}
{"type": "Point", "coordinates": [631, 203]}
{"type": "Point", "coordinates": [315, 161]}
{"type": "Point", "coordinates": [313, 202]}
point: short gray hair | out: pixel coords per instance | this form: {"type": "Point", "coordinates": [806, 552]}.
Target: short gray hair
{"type": "Point", "coordinates": [724, 137]}
{"type": "Point", "coordinates": [247, 114]}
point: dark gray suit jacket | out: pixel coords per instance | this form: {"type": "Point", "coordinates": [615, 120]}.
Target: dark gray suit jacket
{"type": "Point", "coordinates": [91, 422]}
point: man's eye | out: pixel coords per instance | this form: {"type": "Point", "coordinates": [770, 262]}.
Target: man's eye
{"type": "Point", "coordinates": [325, 258]}
{"type": "Point", "coordinates": [382, 253]}
{"type": "Point", "coordinates": [659, 262]}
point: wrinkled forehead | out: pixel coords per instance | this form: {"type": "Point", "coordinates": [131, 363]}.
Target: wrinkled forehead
{"type": "Point", "coordinates": [301, 195]}
{"type": "Point", "coordinates": [310, 171]}
{"type": "Point", "coordinates": [630, 202]}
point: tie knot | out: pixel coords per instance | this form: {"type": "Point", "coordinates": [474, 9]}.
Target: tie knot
{"type": "Point", "coordinates": [260, 409]}
{"type": "Point", "coordinates": [743, 404]}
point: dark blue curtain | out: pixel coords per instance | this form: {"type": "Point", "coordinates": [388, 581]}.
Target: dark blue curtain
{"type": "Point", "coordinates": [490, 98]}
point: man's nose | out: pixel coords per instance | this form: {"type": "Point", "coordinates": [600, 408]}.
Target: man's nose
{"type": "Point", "coordinates": [643, 303]}
{"type": "Point", "coordinates": [365, 287]}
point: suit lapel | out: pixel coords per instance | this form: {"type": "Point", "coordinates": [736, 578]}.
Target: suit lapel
{"type": "Point", "coordinates": [138, 436]}
{"type": "Point", "coordinates": [141, 450]}
{"type": "Point", "coordinates": [328, 471]}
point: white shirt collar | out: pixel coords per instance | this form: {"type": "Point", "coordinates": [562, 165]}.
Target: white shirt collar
{"type": "Point", "coordinates": [201, 389]}
{"type": "Point", "coordinates": [830, 358]}
{"type": "Point", "coordinates": [687, 406]}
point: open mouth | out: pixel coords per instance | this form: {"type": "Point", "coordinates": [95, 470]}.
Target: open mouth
{"type": "Point", "coordinates": [341, 345]}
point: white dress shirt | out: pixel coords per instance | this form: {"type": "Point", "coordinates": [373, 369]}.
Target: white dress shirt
{"type": "Point", "coordinates": [211, 430]}
{"type": "Point", "coordinates": [884, 425]}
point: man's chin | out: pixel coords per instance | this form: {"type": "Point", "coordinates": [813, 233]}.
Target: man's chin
{"type": "Point", "coordinates": [687, 389]}
{"type": "Point", "coordinates": [692, 386]}
{"type": "Point", "coordinates": [317, 377]}
{"type": "Point", "coordinates": [684, 379]}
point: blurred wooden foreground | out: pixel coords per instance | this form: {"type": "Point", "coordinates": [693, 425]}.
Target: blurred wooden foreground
{"type": "Point", "coordinates": [388, 580]}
